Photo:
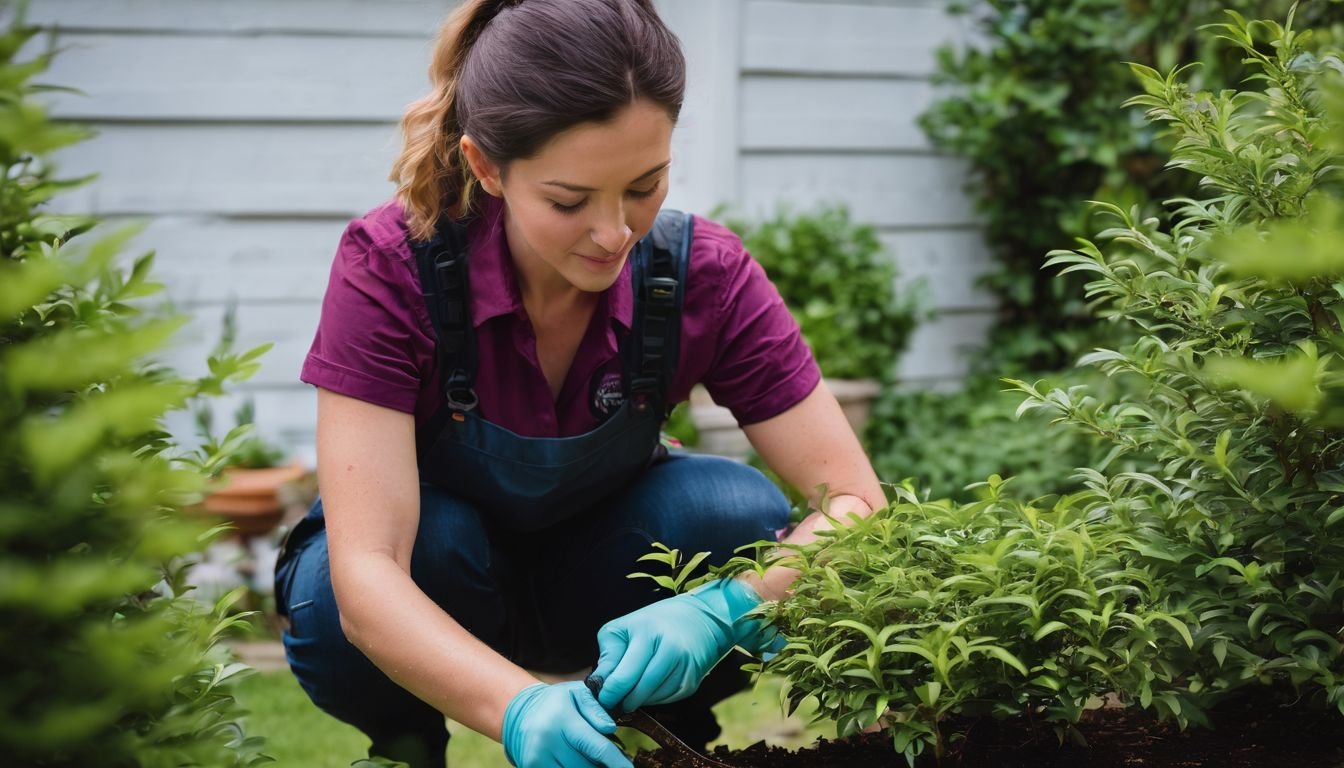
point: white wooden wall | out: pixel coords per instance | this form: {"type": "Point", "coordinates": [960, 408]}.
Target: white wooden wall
{"type": "Point", "coordinates": [248, 132]}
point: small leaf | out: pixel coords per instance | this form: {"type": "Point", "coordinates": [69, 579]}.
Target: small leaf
{"type": "Point", "coordinates": [1048, 628]}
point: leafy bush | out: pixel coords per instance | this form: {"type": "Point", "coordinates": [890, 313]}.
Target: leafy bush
{"type": "Point", "coordinates": [1210, 570]}
{"type": "Point", "coordinates": [107, 663]}
{"type": "Point", "coordinates": [923, 612]}
{"type": "Point", "coordinates": [1035, 112]}
{"type": "Point", "coordinates": [1240, 394]}
{"type": "Point", "coordinates": [942, 439]}
{"type": "Point", "coordinates": [831, 274]}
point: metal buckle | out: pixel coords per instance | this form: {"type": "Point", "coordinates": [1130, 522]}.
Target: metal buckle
{"type": "Point", "coordinates": [661, 291]}
{"type": "Point", "coordinates": [459, 393]}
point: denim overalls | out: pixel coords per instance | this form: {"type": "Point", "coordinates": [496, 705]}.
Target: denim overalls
{"type": "Point", "coordinates": [526, 542]}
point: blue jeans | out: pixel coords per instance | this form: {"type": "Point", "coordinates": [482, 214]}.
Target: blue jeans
{"type": "Point", "coordinates": [538, 599]}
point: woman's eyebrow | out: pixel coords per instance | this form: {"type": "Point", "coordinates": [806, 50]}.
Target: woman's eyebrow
{"type": "Point", "coordinates": [577, 188]}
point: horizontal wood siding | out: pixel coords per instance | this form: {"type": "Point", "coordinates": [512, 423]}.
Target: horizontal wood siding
{"type": "Point", "coordinates": [831, 94]}
{"type": "Point", "coordinates": [905, 191]}
{"type": "Point", "coordinates": [896, 39]}
{"type": "Point", "coordinates": [345, 18]}
{"type": "Point", "coordinates": [221, 77]}
{"type": "Point", "coordinates": [275, 171]}
{"type": "Point", "coordinates": [841, 113]}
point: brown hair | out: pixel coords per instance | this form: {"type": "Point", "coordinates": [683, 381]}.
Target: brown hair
{"type": "Point", "coordinates": [514, 73]}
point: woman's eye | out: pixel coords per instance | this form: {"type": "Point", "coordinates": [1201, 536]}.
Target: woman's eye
{"type": "Point", "coordinates": [562, 208]}
{"type": "Point", "coordinates": [640, 194]}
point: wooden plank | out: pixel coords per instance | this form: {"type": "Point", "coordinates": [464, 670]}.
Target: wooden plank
{"type": "Point", "coordinates": [889, 39]}
{"type": "Point", "coordinates": [822, 113]}
{"type": "Point", "coordinates": [939, 348]}
{"type": "Point", "coordinates": [333, 17]}
{"type": "Point", "coordinates": [290, 326]}
{"type": "Point", "coordinates": [233, 169]}
{"type": "Point", "coordinates": [210, 260]}
{"type": "Point", "coordinates": [705, 141]}
{"type": "Point", "coordinates": [887, 190]}
{"type": "Point", "coordinates": [337, 171]}
{"type": "Point", "coordinates": [170, 77]}
{"type": "Point", "coordinates": [947, 261]}
{"type": "Point", "coordinates": [285, 416]}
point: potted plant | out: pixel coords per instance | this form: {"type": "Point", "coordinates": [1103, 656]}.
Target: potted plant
{"type": "Point", "coordinates": [833, 276]}
{"type": "Point", "coordinates": [251, 474]}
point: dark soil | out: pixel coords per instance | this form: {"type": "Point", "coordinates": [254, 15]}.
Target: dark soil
{"type": "Point", "coordinates": [1116, 738]}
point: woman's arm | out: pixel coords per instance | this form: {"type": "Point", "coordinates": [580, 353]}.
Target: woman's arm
{"type": "Point", "coordinates": [371, 498]}
{"type": "Point", "coordinates": [809, 445]}
{"type": "Point", "coordinates": [661, 652]}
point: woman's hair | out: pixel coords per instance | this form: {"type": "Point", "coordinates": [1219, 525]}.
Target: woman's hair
{"type": "Point", "coordinates": [512, 74]}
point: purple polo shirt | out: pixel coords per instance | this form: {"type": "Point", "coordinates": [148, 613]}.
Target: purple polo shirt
{"type": "Point", "coordinates": [375, 341]}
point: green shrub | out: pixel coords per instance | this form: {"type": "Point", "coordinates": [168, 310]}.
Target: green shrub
{"type": "Point", "coordinates": [831, 274]}
{"type": "Point", "coordinates": [925, 613]}
{"type": "Point", "coordinates": [1239, 392]}
{"type": "Point", "coordinates": [107, 663]}
{"type": "Point", "coordinates": [942, 439]}
{"type": "Point", "coordinates": [1034, 110]}
{"type": "Point", "coordinates": [1208, 568]}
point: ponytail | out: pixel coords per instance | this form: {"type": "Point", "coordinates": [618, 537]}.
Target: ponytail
{"type": "Point", "coordinates": [431, 174]}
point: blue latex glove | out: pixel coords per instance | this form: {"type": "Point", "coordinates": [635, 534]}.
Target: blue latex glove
{"type": "Point", "coordinates": [661, 652]}
{"type": "Point", "coordinates": [559, 725]}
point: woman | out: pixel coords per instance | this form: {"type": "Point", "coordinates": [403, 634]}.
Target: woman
{"type": "Point", "coordinates": [488, 448]}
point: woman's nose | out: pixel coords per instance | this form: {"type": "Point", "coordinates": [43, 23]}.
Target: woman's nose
{"type": "Point", "coordinates": [611, 237]}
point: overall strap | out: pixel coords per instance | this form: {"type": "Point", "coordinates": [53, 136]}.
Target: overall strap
{"type": "Point", "coordinates": [659, 275]}
{"type": "Point", "coordinates": [442, 261]}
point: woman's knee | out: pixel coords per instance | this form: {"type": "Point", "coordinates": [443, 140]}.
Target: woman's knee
{"type": "Point", "coordinates": [709, 503]}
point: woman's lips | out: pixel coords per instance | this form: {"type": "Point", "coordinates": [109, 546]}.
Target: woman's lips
{"type": "Point", "coordinates": [603, 261]}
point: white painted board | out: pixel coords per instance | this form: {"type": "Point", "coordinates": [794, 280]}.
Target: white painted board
{"type": "Point", "coordinates": [329, 17]}
{"type": "Point", "coordinates": [238, 79]}
{"type": "Point", "coordinates": [266, 170]}
{"type": "Point", "coordinates": [889, 190]}
{"type": "Point", "coordinates": [939, 348]}
{"type": "Point", "coordinates": [948, 262]}
{"type": "Point", "coordinates": [203, 260]}
{"type": "Point", "coordinates": [878, 39]}
{"type": "Point", "coordinates": [803, 113]}
{"type": "Point", "coordinates": [290, 326]}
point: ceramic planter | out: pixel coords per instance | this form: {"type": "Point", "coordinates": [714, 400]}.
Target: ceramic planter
{"type": "Point", "coordinates": [250, 498]}
{"type": "Point", "coordinates": [720, 435]}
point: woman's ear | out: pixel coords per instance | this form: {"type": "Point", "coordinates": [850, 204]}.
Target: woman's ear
{"type": "Point", "coordinates": [482, 167]}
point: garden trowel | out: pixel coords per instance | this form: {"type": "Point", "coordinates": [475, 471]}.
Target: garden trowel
{"type": "Point", "coordinates": [645, 723]}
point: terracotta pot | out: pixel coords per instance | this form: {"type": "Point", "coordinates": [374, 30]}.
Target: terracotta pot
{"type": "Point", "coordinates": [718, 430]}
{"type": "Point", "coordinates": [856, 398]}
{"type": "Point", "coordinates": [719, 433]}
{"type": "Point", "coordinates": [249, 498]}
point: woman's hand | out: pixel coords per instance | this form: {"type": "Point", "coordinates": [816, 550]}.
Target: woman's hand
{"type": "Point", "coordinates": [559, 725]}
{"type": "Point", "coordinates": [662, 651]}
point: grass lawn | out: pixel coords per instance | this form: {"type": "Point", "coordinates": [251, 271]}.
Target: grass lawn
{"type": "Point", "coordinates": [299, 734]}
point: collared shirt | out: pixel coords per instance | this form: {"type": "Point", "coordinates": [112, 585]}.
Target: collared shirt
{"type": "Point", "coordinates": [375, 341]}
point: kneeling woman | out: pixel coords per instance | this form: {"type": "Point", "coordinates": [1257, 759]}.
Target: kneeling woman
{"type": "Point", "coordinates": [497, 350]}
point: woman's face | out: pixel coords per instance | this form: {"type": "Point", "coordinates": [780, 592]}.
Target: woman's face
{"type": "Point", "coordinates": [574, 210]}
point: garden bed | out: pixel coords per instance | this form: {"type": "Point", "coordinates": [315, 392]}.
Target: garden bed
{"type": "Point", "coordinates": [1116, 739]}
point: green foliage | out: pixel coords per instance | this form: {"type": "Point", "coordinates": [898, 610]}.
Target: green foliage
{"type": "Point", "coordinates": [1035, 112]}
{"type": "Point", "coordinates": [831, 274]}
{"type": "Point", "coordinates": [1238, 306]}
{"type": "Point", "coordinates": [941, 439]}
{"type": "Point", "coordinates": [1202, 559]}
{"type": "Point", "coordinates": [108, 664]}
{"type": "Point", "coordinates": [928, 612]}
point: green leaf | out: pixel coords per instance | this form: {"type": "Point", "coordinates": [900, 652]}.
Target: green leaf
{"type": "Point", "coordinates": [1003, 655]}
{"type": "Point", "coordinates": [1048, 628]}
